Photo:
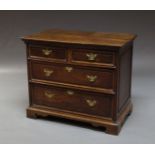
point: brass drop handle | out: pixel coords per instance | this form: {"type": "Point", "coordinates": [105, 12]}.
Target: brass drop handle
{"type": "Point", "coordinates": [46, 52]}
{"type": "Point", "coordinates": [68, 69]}
{"type": "Point", "coordinates": [49, 94]}
{"type": "Point", "coordinates": [91, 78]}
{"type": "Point", "coordinates": [91, 103]}
{"type": "Point", "coordinates": [70, 92]}
{"type": "Point", "coordinates": [91, 56]}
{"type": "Point", "coordinates": [48, 72]}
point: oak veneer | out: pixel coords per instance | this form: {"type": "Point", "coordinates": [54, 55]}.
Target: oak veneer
{"type": "Point", "coordinates": [82, 76]}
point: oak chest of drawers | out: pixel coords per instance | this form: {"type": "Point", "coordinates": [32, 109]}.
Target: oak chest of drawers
{"type": "Point", "coordinates": [82, 76]}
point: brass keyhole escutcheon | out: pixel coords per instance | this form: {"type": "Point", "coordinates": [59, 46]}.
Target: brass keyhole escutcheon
{"type": "Point", "coordinates": [70, 92]}
{"type": "Point", "coordinates": [68, 69]}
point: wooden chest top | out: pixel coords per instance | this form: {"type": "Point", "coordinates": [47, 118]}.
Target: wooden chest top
{"type": "Point", "coordinates": [79, 37]}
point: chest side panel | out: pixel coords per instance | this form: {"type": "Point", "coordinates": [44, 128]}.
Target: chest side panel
{"type": "Point", "coordinates": [125, 77]}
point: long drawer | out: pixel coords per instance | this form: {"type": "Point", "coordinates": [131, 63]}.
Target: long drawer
{"type": "Point", "coordinates": [72, 100]}
{"type": "Point", "coordinates": [72, 74]}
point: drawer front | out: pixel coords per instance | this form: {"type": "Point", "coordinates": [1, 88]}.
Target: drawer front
{"type": "Point", "coordinates": [48, 52]}
{"type": "Point", "coordinates": [93, 57]}
{"type": "Point", "coordinates": [72, 100]}
{"type": "Point", "coordinates": [72, 75]}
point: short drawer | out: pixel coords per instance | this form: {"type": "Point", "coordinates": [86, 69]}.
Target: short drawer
{"type": "Point", "coordinates": [52, 53]}
{"type": "Point", "coordinates": [105, 58]}
{"type": "Point", "coordinates": [72, 74]}
{"type": "Point", "coordinates": [72, 100]}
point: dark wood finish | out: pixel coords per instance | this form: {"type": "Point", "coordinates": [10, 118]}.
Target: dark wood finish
{"type": "Point", "coordinates": [100, 57]}
{"type": "Point", "coordinates": [82, 76]}
{"type": "Point", "coordinates": [125, 79]}
{"type": "Point", "coordinates": [86, 38]}
{"type": "Point", "coordinates": [72, 74]}
{"type": "Point", "coordinates": [72, 100]}
{"type": "Point", "coordinates": [55, 53]}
